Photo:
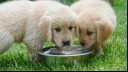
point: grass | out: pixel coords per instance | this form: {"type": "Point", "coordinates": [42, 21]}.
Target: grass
{"type": "Point", "coordinates": [114, 58]}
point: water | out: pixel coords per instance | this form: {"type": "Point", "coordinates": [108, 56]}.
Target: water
{"type": "Point", "coordinates": [69, 51]}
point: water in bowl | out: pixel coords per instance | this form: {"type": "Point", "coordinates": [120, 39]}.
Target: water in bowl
{"type": "Point", "coordinates": [69, 51]}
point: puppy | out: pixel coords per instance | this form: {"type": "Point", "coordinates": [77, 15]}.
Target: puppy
{"type": "Point", "coordinates": [35, 23]}
{"type": "Point", "coordinates": [96, 23]}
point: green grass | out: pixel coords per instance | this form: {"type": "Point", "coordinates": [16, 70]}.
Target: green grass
{"type": "Point", "coordinates": [114, 58]}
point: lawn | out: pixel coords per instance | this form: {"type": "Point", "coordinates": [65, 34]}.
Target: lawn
{"type": "Point", "coordinates": [114, 58]}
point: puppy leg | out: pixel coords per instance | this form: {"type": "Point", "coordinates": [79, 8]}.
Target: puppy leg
{"type": "Point", "coordinates": [33, 47]}
{"type": "Point", "coordinates": [99, 51]}
{"type": "Point", "coordinates": [6, 40]}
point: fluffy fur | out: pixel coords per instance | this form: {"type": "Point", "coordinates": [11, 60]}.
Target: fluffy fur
{"type": "Point", "coordinates": [96, 22]}
{"type": "Point", "coordinates": [34, 23]}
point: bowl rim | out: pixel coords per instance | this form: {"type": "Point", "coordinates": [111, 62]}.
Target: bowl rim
{"type": "Point", "coordinates": [92, 51]}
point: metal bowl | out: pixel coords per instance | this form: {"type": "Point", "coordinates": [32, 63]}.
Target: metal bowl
{"type": "Point", "coordinates": [49, 59]}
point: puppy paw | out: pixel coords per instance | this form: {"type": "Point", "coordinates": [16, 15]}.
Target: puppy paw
{"type": "Point", "coordinates": [98, 54]}
{"type": "Point", "coordinates": [99, 51]}
{"type": "Point", "coordinates": [36, 58]}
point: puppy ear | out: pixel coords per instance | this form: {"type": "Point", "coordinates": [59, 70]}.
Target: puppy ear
{"type": "Point", "coordinates": [45, 28]}
{"type": "Point", "coordinates": [104, 31]}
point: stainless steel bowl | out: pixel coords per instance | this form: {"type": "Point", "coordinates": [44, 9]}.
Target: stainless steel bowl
{"type": "Point", "coordinates": [49, 59]}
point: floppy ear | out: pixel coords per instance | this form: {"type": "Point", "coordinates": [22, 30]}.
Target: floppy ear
{"type": "Point", "coordinates": [104, 31]}
{"type": "Point", "coordinates": [45, 27]}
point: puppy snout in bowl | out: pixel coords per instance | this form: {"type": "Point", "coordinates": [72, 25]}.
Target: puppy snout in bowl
{"type": "Point", "coordinates": [82, 43]}
{"type": "Point", "coordinates": [66, 43]}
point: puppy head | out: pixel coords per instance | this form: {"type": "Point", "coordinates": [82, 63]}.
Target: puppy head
{"type": "Point", "coordinates": [59, 25]}
{"type": "Point", "coordinates": [93, 29]}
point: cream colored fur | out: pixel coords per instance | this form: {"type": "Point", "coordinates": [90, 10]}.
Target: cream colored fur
{"type": "Point", "coordinates": [34, 23]}
{"type": "Point", "coordinates": [96, 22]}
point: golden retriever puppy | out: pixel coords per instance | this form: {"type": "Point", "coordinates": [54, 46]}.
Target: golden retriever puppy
{"type": "Point", "coordinates": [96, 23]}
{"type": "Point", "coordinates": [34, 23]}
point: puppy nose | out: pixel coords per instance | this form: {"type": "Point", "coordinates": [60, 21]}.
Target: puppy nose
{"type": "Point", "coordinates": [66, 43]}
{"type": "Point", "coordinates": [82, 43]}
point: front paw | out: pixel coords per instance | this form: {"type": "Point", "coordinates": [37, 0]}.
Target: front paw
{"type": "Point", "coordinates": [99, 53]}
{"type": "Point", "coordinates": [36, 58]}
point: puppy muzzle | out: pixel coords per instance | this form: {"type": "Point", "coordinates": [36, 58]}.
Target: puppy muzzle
{"type": "Point", "coordinates": [66, 43]}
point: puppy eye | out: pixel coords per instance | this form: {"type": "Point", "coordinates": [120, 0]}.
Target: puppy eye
{"type": "Point", "coordinates": [89, 33]}
{"type": "Point", "coordinates": [57, 29]}
{"type": "Point", "coordinates": [70, 28]}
